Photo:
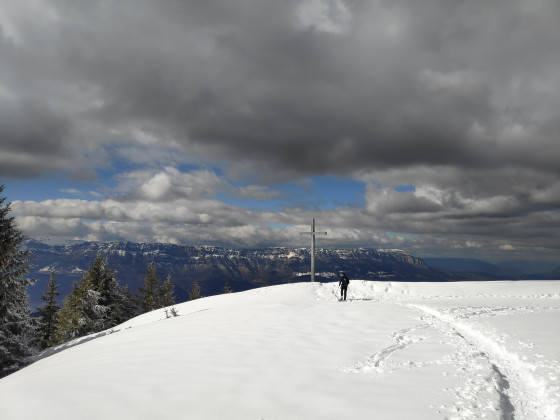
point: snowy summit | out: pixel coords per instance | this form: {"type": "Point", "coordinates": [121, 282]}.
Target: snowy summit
{"type": "Point", "coordinates": [465, 350]}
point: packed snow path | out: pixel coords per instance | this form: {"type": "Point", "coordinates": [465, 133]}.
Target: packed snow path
{"type": "Point", "coordinates": [487, 362]}
{"type": "Point", "coordinates": [514, 379]}
{"type": "Point", "coordinates": [392, 351]}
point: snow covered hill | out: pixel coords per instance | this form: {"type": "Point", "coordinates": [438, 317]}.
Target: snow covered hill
{"type": "Point", "coordinates": [466, 350]}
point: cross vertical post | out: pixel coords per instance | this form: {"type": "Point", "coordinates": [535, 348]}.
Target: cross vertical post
{"type": "Point", "coordinates": [313, 234]}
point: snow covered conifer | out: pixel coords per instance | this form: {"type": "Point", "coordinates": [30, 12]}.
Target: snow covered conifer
{"type": "Point", "coordinates": [48, 312]}
{"type": "Point", "coordinates": [149, 293]}
{"type": "Point", "coordinates": [93, 314]}
{"type": "Point", "coordinates": [101, 278]}
{"type": "Point", "coordinates": [17, 328]}
{"type": "Point", "coordinates": [96, 303]}
{"type": "Point", "coordinates": [80, 313]}
{"type": "Point", "coordinates": [111, 295]}
{"type": "Point", "coordinates": [93, 305]}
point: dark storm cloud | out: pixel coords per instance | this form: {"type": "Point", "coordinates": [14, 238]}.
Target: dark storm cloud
{"type": "Point", "coordinates": [404, 82]}
{"type": "Point", "coordinates": [435, 84]}
{"type": "Point", "coordinates": [34, 138]}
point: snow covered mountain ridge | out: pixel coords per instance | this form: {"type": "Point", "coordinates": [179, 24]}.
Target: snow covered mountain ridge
{"type": "Point", "coordinates": [211, 266]}
{"type": "Point", "coordinates": [205, 251]}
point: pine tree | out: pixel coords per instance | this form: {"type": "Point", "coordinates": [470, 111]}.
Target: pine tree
{"type": "Point", "coordinates": [17, 329]}
{"type": "Point", "coordinates": [67, 322]}
{"type": "Point", "coordinates": [48, 312]}
{"type": "Point", "coordinates": [129, 307]}
{"type": "Point", "coordinates": [80, 314]}
{"type": "Point", "coordinates": [195, 292]}
{"type": "Point", "coordinates": [96, 303]}
{"type": "Point", "coordinates": [93, 313]}
{"type": "Point", "coordinates": [226, 288]}
{"type": "Point", "coordinates": [166, 293]}
{"type": "Point", "coordinates": [149, 293]}
{"type": "Point", "coordinates": [111, 295]}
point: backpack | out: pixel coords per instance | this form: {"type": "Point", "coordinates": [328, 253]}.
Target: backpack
{"type": "Point", "coordinates": [345, 281]}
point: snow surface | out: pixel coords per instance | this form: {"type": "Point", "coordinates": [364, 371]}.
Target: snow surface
{"type": "Point", "coordinates": [466, 350]}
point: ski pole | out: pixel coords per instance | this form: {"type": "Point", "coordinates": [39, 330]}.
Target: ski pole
{"type": "Point", "coordinates": [334, 293]}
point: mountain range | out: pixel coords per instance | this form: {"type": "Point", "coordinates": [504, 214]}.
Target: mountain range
{"type": "Point", "coordinates": [212, 267]}
{"type": "Point", "coordinates": [242, 269]}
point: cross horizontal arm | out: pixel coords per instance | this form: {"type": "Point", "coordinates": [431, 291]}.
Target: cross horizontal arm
{"type": "Point", "coordinates": [313, 233]}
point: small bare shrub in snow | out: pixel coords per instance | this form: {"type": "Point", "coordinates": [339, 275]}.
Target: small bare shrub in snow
{"type": "Point", "coordinates": [171, 312]}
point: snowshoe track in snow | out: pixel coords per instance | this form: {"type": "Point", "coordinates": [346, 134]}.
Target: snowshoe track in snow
{"type": "Point", "coordinates": [379, 361]}
{"type": "Point", "coordinates": [492, 375]}
{"type": "Point", "coordinates": [520, 391]}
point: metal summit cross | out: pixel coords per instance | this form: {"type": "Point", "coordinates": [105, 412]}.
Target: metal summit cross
{"type": "Point", "coordinates": [313, 233]}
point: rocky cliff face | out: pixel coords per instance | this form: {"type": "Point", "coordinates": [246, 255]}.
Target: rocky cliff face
{"type": "Point", "coordinates": [213, 266]}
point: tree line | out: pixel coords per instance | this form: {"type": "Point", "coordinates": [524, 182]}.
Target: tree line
{"type": "Point", "coordinates": [97, 302]}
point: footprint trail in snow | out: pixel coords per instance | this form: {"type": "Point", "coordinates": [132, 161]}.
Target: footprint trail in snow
{"type": "Point", "coordinates": [493, 374]}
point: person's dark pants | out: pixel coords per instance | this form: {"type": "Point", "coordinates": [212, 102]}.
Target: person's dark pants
{"type": "Point", "coordinates": [343, 292]}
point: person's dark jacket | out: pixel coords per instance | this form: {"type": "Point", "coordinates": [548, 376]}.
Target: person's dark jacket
{"type": "Point", "coordinates": [344, 281]}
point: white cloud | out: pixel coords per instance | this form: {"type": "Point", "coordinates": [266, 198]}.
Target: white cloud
{"type": "Point", "coordinates": [387, 201]}
{"type": "Point", "coordinates": [156, 187]}
{"type": "Point", "coordinates": [170, 183]}
{"type": "Point", "coordinates": [332, 16]}
{"type": "Point", "coordinates": [256, 192]}
{"type": "Point", "coordinates": [71, 191]}
{"type": "Point", "coordinates": [473, 244]}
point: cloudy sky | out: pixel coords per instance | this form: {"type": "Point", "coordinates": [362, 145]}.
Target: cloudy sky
{"type": "Point", "coordinates": [427, 125]}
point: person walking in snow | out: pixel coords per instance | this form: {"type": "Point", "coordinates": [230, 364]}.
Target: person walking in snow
{"type": "Point", "coordinates": [343, 283]}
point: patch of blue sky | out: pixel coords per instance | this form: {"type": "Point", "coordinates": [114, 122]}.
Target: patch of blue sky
{"type": "Point", "coordinates": [405, 188]}
{"type": "Point", "coordinates": [320, 193]}
{"type": "Point", "coordinates": [337, 192]}
{"type": "Point", "coordinates": [246, 203]}
{"type": "Point", "coordinates": [50, 188]}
